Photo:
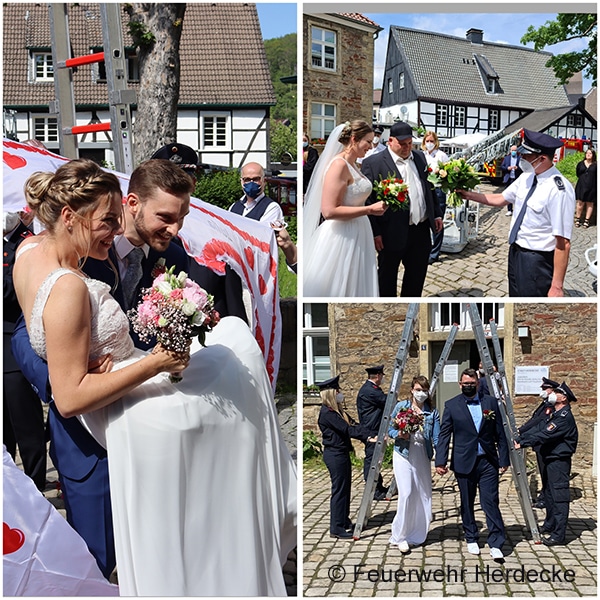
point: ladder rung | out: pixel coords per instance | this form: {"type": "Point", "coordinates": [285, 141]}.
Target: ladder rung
{"type": "Point", "coordinates": [81, 60]}
{"type": "Point", "coordinates": [91, 128]}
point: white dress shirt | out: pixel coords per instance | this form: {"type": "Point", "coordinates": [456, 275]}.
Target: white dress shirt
{"type": "Point", "coordinates": [122, 248]}
{"type": "Point", "coordinates": [410, 175]}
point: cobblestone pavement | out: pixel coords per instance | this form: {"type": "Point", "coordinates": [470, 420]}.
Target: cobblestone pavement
{"type": "Point", "coordinates": [442, 567]}
{"type": "Point", "coordinates": [480, 269]}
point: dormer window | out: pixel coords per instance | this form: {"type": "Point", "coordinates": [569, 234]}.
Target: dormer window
{"type": "Point", "coordinates": [489, 77]}
{"type": "Point", "coordinates": [42, 68]}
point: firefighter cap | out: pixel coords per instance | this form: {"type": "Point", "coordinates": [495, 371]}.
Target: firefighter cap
{"type": "Point", "coordinates": [375, 370]}
{"type": "Point", "coordinates": [565, 390]}
{"type": "Point", "coordinates": [330, 384]}
{"type": "Point", "coordinates": [538, 143]}
{"type": "Point", "coordinates": [183, 156]}
{"type": "Point", "coordinates": [549, 383]}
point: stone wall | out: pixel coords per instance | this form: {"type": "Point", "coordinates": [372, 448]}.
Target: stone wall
{"type": "Point", "coordinates": [351, 87]}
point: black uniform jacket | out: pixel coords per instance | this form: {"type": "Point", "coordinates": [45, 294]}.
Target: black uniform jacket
{"type": "Point", "coordinates": [370, 403]}
{"type": "Point", "coordinates": [337, 433]}
{"type": "Point", "coordinates": [556, 435]}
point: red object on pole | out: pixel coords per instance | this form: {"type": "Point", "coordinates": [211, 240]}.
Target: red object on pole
{"type": "Point", "coordinates": [84, 60]}
{"type": "Point", "coordinates": [89, 128]}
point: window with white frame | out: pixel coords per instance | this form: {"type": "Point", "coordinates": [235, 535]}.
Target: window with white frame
{"type": "Point", "coordinates": [443, 315]}
{"type": "Point", "coordinates": [322, 119]}
{"type": "Point", "coordinates": [574, 120]}
{"type": "Point", "coordinates": [441, 115]}
{"type": "Point", "coordinates": [460, 116]}
{"type": "Point", "coordinates": [390, 86]}
{"type": "Point", "coordinates": [323, 48]}
{"type": "Point", "coordinates": [494, 120]}
{"type": "Point", "coordinates": [316, 363]}
{"type": "Point", "coordinates": [215, 131]}
{"type": "Point", "coordinates": [42, 67]}
{"type": "Point", "coordinates": [401, 81]}
{"type": "Point", "coordinates": [45, 129]}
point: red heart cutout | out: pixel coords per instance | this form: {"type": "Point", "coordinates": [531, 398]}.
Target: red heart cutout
{"type": "Point", "coordinates": [13, 539]}
{"type": "Point", "coordinates": [13, 161]}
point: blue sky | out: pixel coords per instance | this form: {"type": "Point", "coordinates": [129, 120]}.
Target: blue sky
{"type": "Point", "coordinates": [277, 19]}
{"type": "Point", "coordinates": [502, 28]}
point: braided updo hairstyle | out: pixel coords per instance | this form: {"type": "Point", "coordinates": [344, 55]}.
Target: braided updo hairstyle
{"type": "Point", "coordinates": [79, 184]}
{"type": "Point", "coordinates": [357, 129]}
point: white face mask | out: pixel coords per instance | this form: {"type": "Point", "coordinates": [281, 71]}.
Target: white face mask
{"type": "Point", "coordinates": [552, 398]}
{"type": "Point", "coordinates": [528, 167]}
{"type": "Point", "coordinates": [544, 394]}
{"type": "Point", "coordinates": [375, 140]}
{"type": "Point", "coordinates": [11, 220]}
{"type": "Point", "coordinates": [430, 146]}
{"type": "Point", "coordinates": [339, 397]}
{"type": "Point", "coordinates": [420, 396]}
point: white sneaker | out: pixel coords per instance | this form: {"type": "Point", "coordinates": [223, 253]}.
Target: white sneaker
{"type": "Point", "coordinates": [509, 213]}
{"type": "Point", "coordinates": [496, 553]}
{"type": "Point", "coordinates": [403, 547]}
{"type": "Point", "coordinates": [473, 548]}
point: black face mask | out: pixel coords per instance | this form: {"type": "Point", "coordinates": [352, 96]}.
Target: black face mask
{"type": "Point", "coordinates": [469, 389]}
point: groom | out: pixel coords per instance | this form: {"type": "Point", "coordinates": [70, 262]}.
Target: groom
{"type": "Point", "coordinates": [403, 236]}
{"type": "Point", "coordinates": [479, 452]}
{"type": "Point", "coordinates": [157, 201]}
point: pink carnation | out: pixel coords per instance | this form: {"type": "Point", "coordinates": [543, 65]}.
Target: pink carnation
{"type": "Point", "coordinates": [148, 314]}
{"type": "Point", "coordinates": [176, 294]}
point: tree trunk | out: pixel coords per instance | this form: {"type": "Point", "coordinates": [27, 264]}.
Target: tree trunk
{"type": "Point", "coordinates": [156, 29]}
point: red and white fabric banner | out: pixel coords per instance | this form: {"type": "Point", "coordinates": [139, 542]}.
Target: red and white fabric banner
{"type": "Point", "coordinates": [211, 235]}
{"type": "Point", "coordinates": [43, 554]}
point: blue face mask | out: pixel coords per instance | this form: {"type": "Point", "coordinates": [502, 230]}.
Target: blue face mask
{"type": "Point", "coordinates": [513, 153]}
{"type": "Point", "coordinates": [252, 189]}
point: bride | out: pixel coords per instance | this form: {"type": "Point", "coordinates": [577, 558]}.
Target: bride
{"type": "Point", "coordinates": [202, 486]}
{"type": "Point", "coordinates": [340, 257]}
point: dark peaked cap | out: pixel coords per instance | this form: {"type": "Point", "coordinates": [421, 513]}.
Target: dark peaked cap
{"type": "Point", "coordinates": [549, 382]}
{"type": "Point", "coordinates": [563, 388]}
{"type": "Point", "coordinates": [374, 370]}
{"type": "Point", "coordinates": [538, 143]}
{"type": "Point", "coordinates": [180, 154]}
{"type": "Point", "coordinates": [330, 384]}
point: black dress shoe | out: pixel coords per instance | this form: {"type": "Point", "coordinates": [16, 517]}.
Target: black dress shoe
{"type": "Point", "coordinates": [380, 496]}
{"type": "Point", "coordinates": [344, 535]}
{"type": "Point", "coordinates": [539, 505]}
{"type": "Point", "coordinates": [349, 527]}
{"type": "Point", "coordinates": [550, 541]}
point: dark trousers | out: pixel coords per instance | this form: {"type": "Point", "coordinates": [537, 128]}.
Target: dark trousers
{"type": "Point", "coordinates": [485, 477]}
{"type": "Point", "coordinates": [25, 425]}
{"type": "Point", "coordinates": [529, 271]}
{"type": "Point", "coordinates": [369, 449]}
{"type": "Point", "coordinates": [340, 471]}
{"type": "Point", "coordinates": [557, 497]}
{"type": "Point", "coordinates": [438, 237]}
{"type": "Point", "coordinates": [414, 259]}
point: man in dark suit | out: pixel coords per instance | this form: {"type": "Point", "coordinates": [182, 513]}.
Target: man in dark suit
{"type": "Point", "coordinates": [23, 424]}
{"type": "Point", "coordinates": [370, 403]}
{"type": "Point", "coordinates": [403, 236]}
{"type": "Point", "coordinates": [480, 451]}
{"type": "Point", "coordinates": [157, 201]}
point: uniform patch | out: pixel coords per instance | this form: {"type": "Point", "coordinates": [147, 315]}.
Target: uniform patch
{"type": "Point", "coordinates": [551, 427]}
{"type": "Point", "coordinates": [559, 183]}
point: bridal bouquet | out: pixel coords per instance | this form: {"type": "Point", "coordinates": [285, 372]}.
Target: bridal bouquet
{"type": "Point", "coordinates": [452, 175]}
{"type": "Point", "coordinates": [174, 310]}
{"type": "Point", "coordinates": [393, 191]}
{"type": "Point", "coordinates": [408, 421]}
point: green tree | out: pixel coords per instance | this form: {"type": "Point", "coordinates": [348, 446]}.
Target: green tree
{"type": "Point", "coordinates": [564, 28]}
{"type": "Point", "coordinates": [283, 139]}
{"type": "Point", "coordinates": [282, 59]}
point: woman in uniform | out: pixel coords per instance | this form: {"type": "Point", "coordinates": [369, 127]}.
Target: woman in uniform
{"type": "Point", "coordinates": [337, 427]}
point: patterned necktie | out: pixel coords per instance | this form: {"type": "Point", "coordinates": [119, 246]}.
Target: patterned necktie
{"type": "Point", "coordinates": [133, 274]}
{"type": "Point", "coordinates": [412, 181]}
{"type": "Point", "coordinates": [512, 238]}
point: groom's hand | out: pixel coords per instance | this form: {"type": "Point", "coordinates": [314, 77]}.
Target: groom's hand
{"type": "Point", "coordinates": [441, 470]}
{"type": "Point", "coordinates": [439, 224]}
{"type": "Point", "coordinates": [503, 470]}
{"type": "Point", "coordinates": [378, 243]}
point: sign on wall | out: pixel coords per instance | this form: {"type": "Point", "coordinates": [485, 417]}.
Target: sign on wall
{"type": "Point", "coordinates": [529, 379]}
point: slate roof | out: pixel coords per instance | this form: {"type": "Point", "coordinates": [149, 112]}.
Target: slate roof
{"type": "Point", "coordinates": [444, 67]}
{"type": "Point", "coordinates": [223, 60]}
{"type": "Point", "coordinates": [540, 120]}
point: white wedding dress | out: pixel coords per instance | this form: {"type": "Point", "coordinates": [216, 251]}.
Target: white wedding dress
{"type": "Point", "coordinates": [203, 487]}
{"type": "Point", "coordinates": [340, 256]}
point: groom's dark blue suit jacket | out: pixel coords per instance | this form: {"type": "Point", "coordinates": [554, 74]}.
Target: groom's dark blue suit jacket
{"type": "Point", "coordinates": [457, 423]}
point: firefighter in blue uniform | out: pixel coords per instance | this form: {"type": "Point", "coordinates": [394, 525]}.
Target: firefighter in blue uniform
{"type": "Point", "coordinates": [370, 403]}
{"type": "Point", "coordinates": [557, 438]}
{"type": "Point", "coordinates": [541, 413]}
{"type": "Point", "coordinates": [337, 428]}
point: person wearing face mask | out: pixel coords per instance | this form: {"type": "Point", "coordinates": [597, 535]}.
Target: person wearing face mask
{"type": "Point", "coordinates": [542, 411]}
{"type": "Point", "coordinates": [431, 148]}
{"type": "Point", "coordinates": [556, 435]}
{"type": "Point", "coordinates": [541, 228]}
{"type": "Point", "coordinates": [310, 156]}
{"type": "Point", "coordinates": [254, 204]}
{"type": "Point", "coordinates": [378, 145]}
{"type": "Point", "coordinates": [510, 171]}
{"type": "Point", "coordinates": [479, 454]}
{"type": "Point", "coordinates": [337, 427]}
{"type": "Point", "coordinates": [370, 403]}
{"type": "Point", "coordinates": [412, 468]}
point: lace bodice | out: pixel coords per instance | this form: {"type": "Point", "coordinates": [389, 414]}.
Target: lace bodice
{"type": "Point", "coordinates": [358, 191]}
{"type": "Point", "coordinates": [110, 326]}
